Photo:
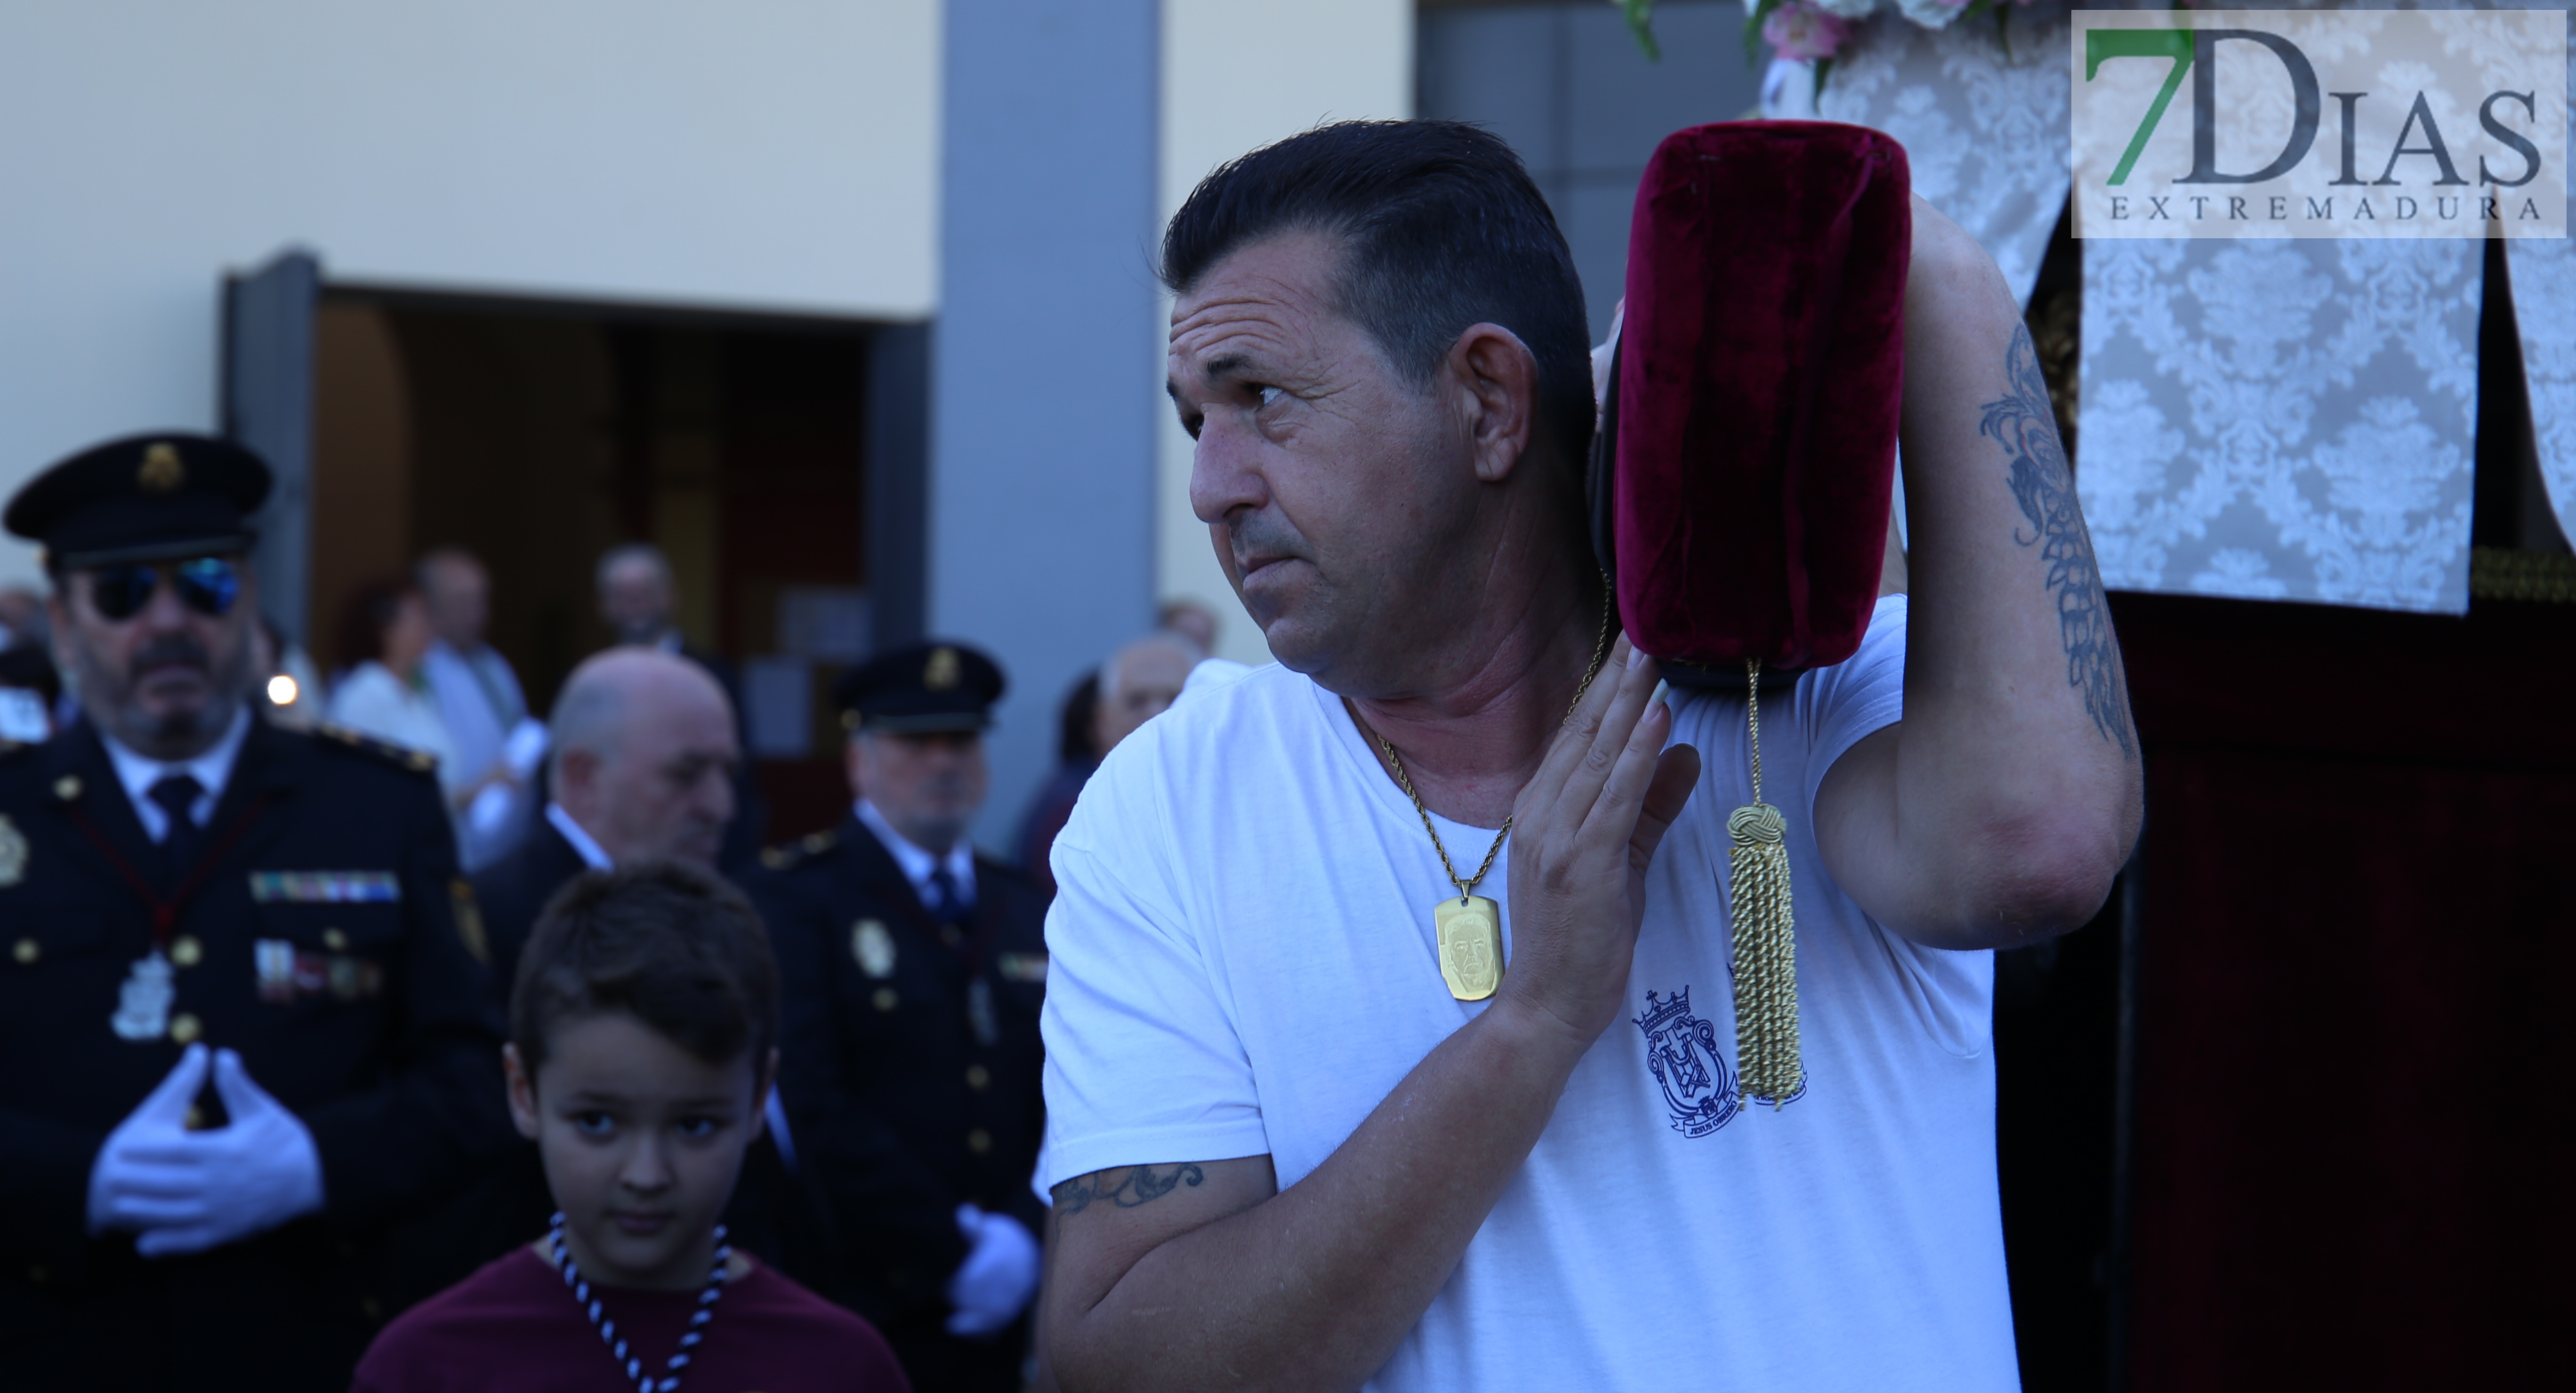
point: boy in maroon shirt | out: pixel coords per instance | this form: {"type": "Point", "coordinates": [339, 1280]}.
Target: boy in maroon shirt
{"type": "Point", "coordinates": [643, 1028]}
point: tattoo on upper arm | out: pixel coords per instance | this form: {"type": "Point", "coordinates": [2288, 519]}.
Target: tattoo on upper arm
{"type": "Point", "coordinates": [1134, 1186]}
{"type": "Point", "coordinates": [2023, 423]}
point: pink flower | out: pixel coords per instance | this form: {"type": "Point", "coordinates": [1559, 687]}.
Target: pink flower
{"type": "Point", "coordinates": [1798, 30]}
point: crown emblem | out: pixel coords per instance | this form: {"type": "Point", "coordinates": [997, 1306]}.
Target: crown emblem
{"type": "Point", "coordinates": [1657, 1017]}
{"type": "Point", "coordinates": [161, 471]}
{"type": "Point", "coordinates": [941, 672]}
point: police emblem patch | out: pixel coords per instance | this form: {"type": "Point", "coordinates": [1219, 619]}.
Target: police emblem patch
{"type": "Point", "coordinates": [941, 672]}
{"type": "Point", "coordinates": [161, 472]}
{"type": "Point", "coordinates": [873, 946]}
{"type": "Point", "coordinates": [1681, 1051]}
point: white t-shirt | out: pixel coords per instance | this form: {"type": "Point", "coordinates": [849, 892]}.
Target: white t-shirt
{"type": "Point", "coordinates": [1242, 963]}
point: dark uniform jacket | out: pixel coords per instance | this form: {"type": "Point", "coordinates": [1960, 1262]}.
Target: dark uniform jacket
{"type": "Point", "coordinates": [342, 980]}
{"type": "Point", "coordinates": [896, 1100]}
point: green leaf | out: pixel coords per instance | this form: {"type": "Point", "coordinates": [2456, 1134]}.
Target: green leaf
{"type": "Point", "coordinates": [1641, 22]}
{"type": "Point", "coordinates": [1753, 30]}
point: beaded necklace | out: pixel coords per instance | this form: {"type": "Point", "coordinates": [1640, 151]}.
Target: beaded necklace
{"type": "Point", "coordinates": [698, 1319]}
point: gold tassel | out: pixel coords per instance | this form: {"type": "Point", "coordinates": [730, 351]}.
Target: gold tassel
{"type": "Point", "coordinates": [1766, 945]}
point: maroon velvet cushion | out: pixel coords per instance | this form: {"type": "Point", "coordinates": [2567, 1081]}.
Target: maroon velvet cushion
{"type": "Point", "coordinates": [1759, 374]}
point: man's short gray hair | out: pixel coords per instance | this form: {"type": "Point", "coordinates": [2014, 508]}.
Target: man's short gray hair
{"type": "Point", "coordinates": [644, 552]}
{"type": "Point", "coordinates": [589, 713]}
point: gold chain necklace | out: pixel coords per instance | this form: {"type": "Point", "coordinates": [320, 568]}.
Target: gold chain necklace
{"type": "Point", "coordinates": [1469, 929]}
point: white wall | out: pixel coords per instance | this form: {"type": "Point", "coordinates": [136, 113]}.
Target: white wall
{"type": "Point", "coordinates": [1239, 74]}
{"type": "Point", "coordinates": [758, 154]}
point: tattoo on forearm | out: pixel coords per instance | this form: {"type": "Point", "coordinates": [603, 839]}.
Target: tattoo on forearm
{"type": "Point", "coordinates": [2023, 423]}
{"type": "Point", "coordinates": [1134, 1186]}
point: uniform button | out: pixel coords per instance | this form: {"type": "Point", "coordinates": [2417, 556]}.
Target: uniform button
{"type": "Point", "coordinates": [27, 950]}
{"type": "Point", "coordinates": [979, 1141]}
{"type": "Point", "coordinates": [186, 951]}
{"type": "Point", "coordinates": [67, 787]}
{"type": "Point", "coordinates": [978, 1077]}
{"type": "Point", "coordinates": [885, 998]}
{"type": "Point", "coordinates": [196, 1121]}
{"type": "Point", "coordinates": [335, 940]}
{"type": "Point", "coordinates": [185, 1028]}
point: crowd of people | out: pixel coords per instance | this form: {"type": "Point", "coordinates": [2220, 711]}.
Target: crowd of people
{"type": "Point", "coordinates": [364, 930]}
{"type": "Point", "coordinates": [437, 1047]}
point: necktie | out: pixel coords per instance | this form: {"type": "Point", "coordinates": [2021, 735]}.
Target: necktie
{"type": "Point", "coordinates": [949, 906]}
{"type": "Point", "coordinates": [177, 795]}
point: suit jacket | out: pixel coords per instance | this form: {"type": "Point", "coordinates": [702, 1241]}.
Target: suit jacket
{"type": "Point", "coordinates": [897, 1100]}
{"type": "Point", "coordinates": [513, 891]}
{"type": "Point", "coordinates": [323, 943]}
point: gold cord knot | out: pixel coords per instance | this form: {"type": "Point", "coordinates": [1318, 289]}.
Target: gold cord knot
{"type": "Point", "coordinates": [1760, 823]}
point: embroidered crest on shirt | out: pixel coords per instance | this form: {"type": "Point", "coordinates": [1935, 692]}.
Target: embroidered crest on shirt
{"type": "Point", "coordinates": [1681, 1052]}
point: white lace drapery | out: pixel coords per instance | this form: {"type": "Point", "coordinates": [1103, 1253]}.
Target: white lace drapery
{"type": "Point", "coordinates": [2290, 420]}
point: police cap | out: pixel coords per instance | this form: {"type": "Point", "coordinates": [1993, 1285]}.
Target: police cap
{"type": "Point", "coordinates": [926, 688]}
{"type": "Point", "coordinates": [143, 498]}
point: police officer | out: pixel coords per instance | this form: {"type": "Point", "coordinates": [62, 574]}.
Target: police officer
{"type": "Point", "coordinates": [241, 1037]}
{"type": "Point", "coordinates": [914, 972]}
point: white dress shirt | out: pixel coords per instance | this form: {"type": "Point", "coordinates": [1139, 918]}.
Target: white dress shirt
{"type": "Point", "coordinates": [918, 864]}
{"type": "Point", "coordinates": [139, 772]}
{"type": "Point", "coordinates": [583, 844]}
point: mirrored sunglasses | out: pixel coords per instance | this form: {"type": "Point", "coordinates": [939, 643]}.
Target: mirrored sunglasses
{"type": "Point", "coordinates": [208, 584]}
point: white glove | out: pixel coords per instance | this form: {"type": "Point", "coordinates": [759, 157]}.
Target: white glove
{"type": "Point", "coordinates": [185, 1192]}
{"type": "Point", "coordinates": [997, 1278]}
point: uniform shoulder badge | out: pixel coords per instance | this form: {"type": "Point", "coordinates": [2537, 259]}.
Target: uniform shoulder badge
{"type": "Point", "coordinates": [796, 853]}
{"type": "Point", "coordinates": [417, 761]}
{"type": "Point", "coordinates": [469, 920]}
{"type": "Point", "coordinates": [13, 853]}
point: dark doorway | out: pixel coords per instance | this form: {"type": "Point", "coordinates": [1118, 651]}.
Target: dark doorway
{"type": "Point", "coordinates": [537, 435]}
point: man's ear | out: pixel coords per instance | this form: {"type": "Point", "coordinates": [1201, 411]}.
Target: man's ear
{"type": "Point", "coordinates": [58, 617]}
{"type": "Point", "coordinates": [523, 1093]}
{"type": "Point", "coordinates": [760, 1095]}
{"type": "Point", "coordinates": [1497, 377]}
{"type": "Point", "coordinates": [575, 768]}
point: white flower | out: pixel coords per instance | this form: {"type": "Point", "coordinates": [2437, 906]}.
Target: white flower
{"type": "Point", "coordinates": [1931, 14]}
{"type": "Point", "coordinates": [1847, 9]}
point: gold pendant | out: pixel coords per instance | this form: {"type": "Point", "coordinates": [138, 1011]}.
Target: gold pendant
{"type": "Point", "coordinates": [1470, 931]}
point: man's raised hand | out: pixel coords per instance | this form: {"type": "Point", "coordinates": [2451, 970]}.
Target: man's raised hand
{"type": "Point", "coordinates": [1583, 832]}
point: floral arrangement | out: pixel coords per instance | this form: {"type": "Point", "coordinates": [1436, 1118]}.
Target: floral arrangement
{"type": "Point", "coordinates": [1813, 31]}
